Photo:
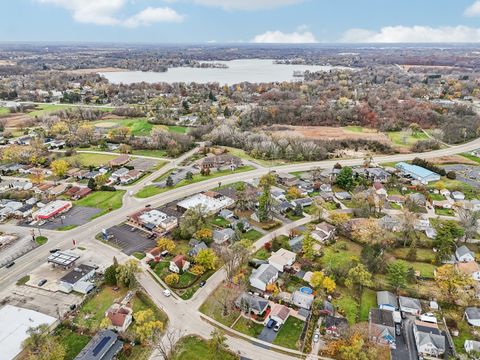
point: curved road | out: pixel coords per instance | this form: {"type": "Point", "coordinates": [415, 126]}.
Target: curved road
{"type": "Point", "coordinates": [85, 235]}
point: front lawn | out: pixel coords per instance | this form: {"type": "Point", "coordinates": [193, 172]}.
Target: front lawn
{"type": "Point", "coordinates": [444, 212]}
{"type": "Point", "coordinates": [248, 327]}
{"type": "Point", "coordinates": [289, 333]}
{"type": "Point", "coordinates": [221, 222]}
{"type": "Point", "coordinates": [193, 347]}
{"type": "Point", "coordinates": [213, 309]}
{"type": "Point", "coordinates": [106, 201]}
{"type": "Point", "coordinates": [252, 235]}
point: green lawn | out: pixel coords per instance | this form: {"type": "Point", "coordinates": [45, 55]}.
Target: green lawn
{"type": "Point", "coordinates": [87, 159]}
{"type": "Point", "coordinates": [4, 111]}
{"type": "Point", "coordinates": [426, 270]}
{"type": "Point", "coordinates": [66, 227]}
{"type": "Point", "coordinates": [48, 108]}
{"type": "Point", "coordinates": [177, 129]}
{"type": "Point", "coordinates": [248, 327]}
{"type": "Point", "coordinates": [151, 190]}
{"type": "Point", "coordinates": [423, 255]}
{"type": "Point", "coordinates": [252, 235]}
{"type": "Point", "coordinates": [289, 333]}
{"type": "Point", "coordinates": [243, 155]}
{"type": "Point", "coordinates": [141, 127]}
{"type": "Point", "coordinates": [106, 201]}
{"type": "Point", "coordinates": [444, 212]}
{"type": "Point", "coordinates": [397, 139]}
{"type": "Point", "coordinates": [221, 222]}
{"type": "Point", "coordinates": [72, 341]}
{"type": "Point", "coordinates": [139, 255]}
{"type": "Point", "coordinates": [261, 254]}
{"type": "Point", "coordinates": [40, 240]}
{"type": "Point", "coordinates": [23, 280]}
{"type": "Point", "coordinates": [367, 301]}
{"type": "Point", "coordinates": [193, 347]}
{"type": "Point", "coordinates": [354, 129]}
{"type": "Point", "coordinates": [151, 153]}
{"type": "Point", "coordinates": [213, 309]}
{"type": "Point", "coordinates": [471, 157]}
{"type": "Point", "coordinates": [348, 307]}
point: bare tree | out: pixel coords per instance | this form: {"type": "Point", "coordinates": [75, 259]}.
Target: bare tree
{"type": "Point", "coordinates": [233, 257]}
{"type": "Point", "coordinates": [167, 345]}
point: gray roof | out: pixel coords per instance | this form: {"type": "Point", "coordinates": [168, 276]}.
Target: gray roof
{"type": "Point", "coordinates": [463, 250]}
{"type": "Point", "coordinates": [427, 337]}
{"type": "Point", "coordinates": [218, 235]}
{"type": "Point", "coordinates": [296, 243]}
{"type": "Point", "coordinates": [409, 302]}
{"type": "Point", "coordinates": [387, 298]}
{"type": "Point", "coordinates": [104, 346]}
{"type": "Point", "coordinates": [473, 313]}
{"type": "Point", "coordinates": [302, 299]}
{"type": "Point", "coordinates": [265, 273]}
{"type": "Point", "coordinates": [197, 248]}
{"type": "Point", "coordinates": [77, 273]}
{"type": "Point", "coordinates": [254, 302]}
{"type": "Point", "coordinates": [381, 317]}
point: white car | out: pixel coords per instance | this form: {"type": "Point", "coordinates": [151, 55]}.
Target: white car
{"type": "Point", "coordinates": [167, 292]}
{"type": "Point", "coordinates": [316, 336]}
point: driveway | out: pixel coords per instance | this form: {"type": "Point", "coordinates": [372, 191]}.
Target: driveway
{"type": "Point", "coordinates": [406, 347]}
{"type": "Point", "coordinates": [267, 335]}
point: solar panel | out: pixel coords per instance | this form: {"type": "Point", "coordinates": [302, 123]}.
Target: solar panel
{"type": "Point", "coordinates": [101, 345]}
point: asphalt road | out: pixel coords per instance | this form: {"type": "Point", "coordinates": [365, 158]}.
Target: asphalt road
{"type": "Point", "coordinates": [180, 315]}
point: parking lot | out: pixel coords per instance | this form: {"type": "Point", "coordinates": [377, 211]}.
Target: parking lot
{"type": "Point", "coordinates": [143, 164]}
{"type": "Point", "coordinates": [129, 240]}
{"type": "Point", "coordinates": [468, 174]}
{"type": "Point", "coordinates": [78, 215]}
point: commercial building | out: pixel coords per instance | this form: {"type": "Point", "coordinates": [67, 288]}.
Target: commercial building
{"type": "Point", "coordinates": [51, 209]}
{"type": "Point", "coordinates": [153, 221]}
{"type": "Point", "coordinates": [15, 322]}
{"type": "Point", "coordinates": [417, 172]}
{"type": "Point", "coordinates": [63, 259]}
{"type": "Point", "coordinates": [212, 201]}
{"type": "Point", "coordinates": [78, 280]}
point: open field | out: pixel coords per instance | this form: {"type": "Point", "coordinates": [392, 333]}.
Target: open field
{"type": "Point", "coordinates": [397, 138]}
{"type": "Point", "coordinates": [139, 126]}
{"type": "Point", "coordinates": [106, 201]}
{"type": "Point", "coordinates": [243, 155]}
{"type": "Point", "coordinates": [193, 347]}
{"type": "Point", "coordinates": [86, 159]}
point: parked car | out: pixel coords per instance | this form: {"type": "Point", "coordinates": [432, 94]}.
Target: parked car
{"type": "Point", "coordinates": [202, 284]}
{"type": "Point", "coordinates": [167, 292]}
{"type": "Point", "coordinates": [398, 329]}
{"type": "Point", "coordinates": [271, 323]}
{"type": "Point", "coordinates": [42, 282]}
{"type": "Point", "coordinates": [277, 327]}
{"type": "Point", "coordinates": [316, 337]}
{"type": "Point", "coordinates": [53, 251]}
{"type": "Point", "coordinates": [73, 307]}
{"type": "Point", "coordinates": [9, 265]}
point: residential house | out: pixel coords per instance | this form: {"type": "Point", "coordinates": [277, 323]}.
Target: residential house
{"type": "Point", "coordinates": [241, 224]}
{"type": "Point", "coordinates": [376, 174]}
{"type": "Point", "coordinates": [327, 188]}
{"type": "Point", "coordinates": [222, 236]}
{"type": "Point", "coordinates": [323, 232]}
{"type": "Point", "coordinates": [81, 193]}
{"type": "Point", "coordinates": [396, 199]}
{"type": "Point", "coordinates": [463, 254]}
{"type": "Point", "coordinates": [390, 222]}
{"type": "Point", "coordinates": [445, 192]}
{"type": "Point", "coordinates": [265, 274]}
{"type": "Point", "coordinates": [283, 207]}
{"type": "Point", "coordinates": [472, 346]}
{"type": "Point", "coordinates": [410, 305]}
{"type": "Point", "coordinates": [379, 189]}
{"type": "Point", "coordinates": [387, 301]}
{"type": "Point", "coordinates": [153, 254]}
{"type": "Point", "coordinates": [179, 264]}
{"type": "Point", "coordinates": [429, 339]}
{"type": "Point", "coordinates": [381, 327]}
{"type": "Point", "coordinates": [287, 179]}
{"type": "Point", "coordinates": [58, 190]}
{"type": "Point", "coordinates": [120, 316]}
{"type": "Point", "coordinates": [25, 211]}
{"type": "Point", "coordinates": [105, 345]}
{"type": "Point", "coordinates": [343, 195]}
{"type": "Point", "coordinates": [117, 174]}
{"type": "Point", "coordinates": [250, 303]}
{"type": "Point", "coordinates": [282, 259]}
{"type": "Point", "coordinates": [119, 161]}
{"type": "Point", "coordinates": [442, 204]}
{"type": "Point", "coordinates": [470, 268]}
{"type": "Point", "coordinates": [417, 198]}
{"type": "Point", "coordinates": [303, 202]}
{"type": "Point", "coordinates": [279, 313]}
{"type": "Point", "coordinates": [130, 176]}
{"type": "Point", "coordinates": [335, 326]}
{"type": "Point", "coordinates": [197, 248]}
{"type": "Point", "coordinates": [226, 214]}
{"type": "Point", "coordinates": [278, 195]}
{"type": "Point", "coordinates": [302, 300]}
{"type": "Point", "coordinates": [458, 195]}
{"type": "Point", "coordinates": [296, 243]}
{"type": "Point", "coordinates": [472, 315]}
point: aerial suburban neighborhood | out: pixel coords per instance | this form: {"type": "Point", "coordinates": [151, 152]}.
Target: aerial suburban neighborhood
{"type": "Point", "coordinates": [222, 199]}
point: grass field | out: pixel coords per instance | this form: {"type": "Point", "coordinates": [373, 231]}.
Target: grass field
{"type": "Point", "coordinates": [423, 255]}
{"type": "Point", "coordinates": [177, 129]}
{"type": "Point", "coordinates": [106, 201]}
{"type": "Point", "coordinates": [4, 111]}
{"type": "Point", "coordinates": [152, 153]}
{"type": "Point", "coordinates": [151, 190]}
{"type": "Point", "coordinates": [289, 333]}
{"type": "Point", "coordinates": [426, 270]}
{"type": "Point", "coordinates": [72, 341]}
{"type": "Point", "coordinates": [142, 127]}
{"type": "Point", "coordinates": [367, 301]}
{"type": "Point", "coordinates": [213, 309]}
{"type": "Point", "coordinates": [467, 156]}
{"type": "Point", "coordinates": [348, 307]}
{"type": "Point", "coordinates": [397, 138]}
{"type": "Point", "coordinates": [243, 155]}
{"type": "Point", "coordinates": [193, 347]}
{"type": "Point", "coordinates": [86, 159]}
{"type": "Point", "coordinates": [47, 108]}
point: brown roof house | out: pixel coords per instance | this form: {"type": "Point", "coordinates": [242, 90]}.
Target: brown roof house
{"type": "Point", "coordinates": [179, 264]}
{"type": "Point", "coordinates": [120, 316]}
{"type": "Point", "coordinates": [119, 161]}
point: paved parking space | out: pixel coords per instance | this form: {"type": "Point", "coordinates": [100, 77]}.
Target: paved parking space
{"type": "Point", "coordinates": [130, 241]}
{"type": "Point", "coordinates": [267, 335]}
{"type": "Point", "coordinates": [468, 174]}
{"type": "Point", "coordinates": [143, 164]}
{"type": "Point", "coordinates": [78, 215]}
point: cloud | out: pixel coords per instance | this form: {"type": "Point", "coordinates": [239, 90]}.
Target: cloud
{"type": "Point", "coordinates": [247, 4]}
{"type": "Point", "coordinates": [413, 34]}
{"type": "Point", "coordinates": [278, 37]}
{"type": "Point", "coordinates": [104, 12]}
{"type": "Point", "coordinates": [473, 10]}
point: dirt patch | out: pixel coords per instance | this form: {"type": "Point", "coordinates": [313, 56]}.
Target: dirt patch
{"type": "Point", "coordinates": [19, 120]}
{"type": "Point", "coordinates": [452, 159]}
{"type": "Point", "coordinates": [96, 70]}
{"type": "Point", "coordinates": [326, 133]}
{"type": "Point", "coordinates": [7, 63]}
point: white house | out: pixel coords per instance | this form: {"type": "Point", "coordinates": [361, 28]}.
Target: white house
{"type": "Point", "coordinates": [471, 345]}
{"type": "Point", "coordinates": [265, 274]}
{"type": "Point", "coordinates": [463, 254]}
{"type": "Point", "coordinates": [428, 338]}
{"type": "Point", "coordinates": [323, 232]}
{"type": "Point", "coordinates": [472, 315]}
{"type": "Point", "coordinates": [302, 299]}
{"type": "Point", "coordinates": [179, 264]}
{"type": "Point", "coordinates": [410, 305]}
{"type": "Point", "coordinates": [282, 258]}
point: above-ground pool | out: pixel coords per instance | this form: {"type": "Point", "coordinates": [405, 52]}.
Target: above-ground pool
{"type": "Point", "coordinates": [306, 290]}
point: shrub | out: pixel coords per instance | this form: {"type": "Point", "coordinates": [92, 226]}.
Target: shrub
{"type": "Point", "coordinates": [172, 279]}
{"type": "Point", "coordinates": [451, 175]}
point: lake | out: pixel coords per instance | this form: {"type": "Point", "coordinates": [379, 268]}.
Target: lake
{"type": "Point", "coordinates": [251, 70]}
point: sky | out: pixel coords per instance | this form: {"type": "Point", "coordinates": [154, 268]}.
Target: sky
{"type": "Point", "coordinates": [240, 21]}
